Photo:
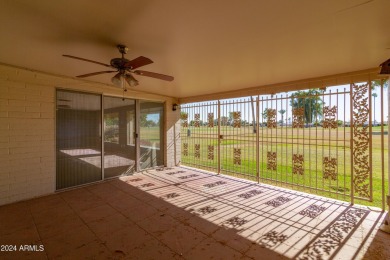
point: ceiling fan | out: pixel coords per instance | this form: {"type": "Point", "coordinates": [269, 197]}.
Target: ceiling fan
{"type": "Point", "coordinates": [124, 69]}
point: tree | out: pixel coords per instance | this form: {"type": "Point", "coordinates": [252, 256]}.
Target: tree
{"type": "Point", "coordinates": [142, 120]}
{"type": "Point", "coordinates": [374, 95]}
{"type": "Point", "coordinates": [150, 123]}
{"type": "Point", "coordinates": [281, 112]}
{"type": "Point", "coordinates": [111, 119]}
{"type": "Point", "coordinates": [311, 101]}
{"type": "Point", "coordinates": [265, 113]}
{"type": "Point", "coordinates": [377, 83]}
{"type": "Point", "coordinates": [253, 115]}
{"type": "Point", "coordinates": [231, 118]}
{"type": "Point", "coordinates": [265, 116]}
{"type": "Point", "coordinates": [224, 121]}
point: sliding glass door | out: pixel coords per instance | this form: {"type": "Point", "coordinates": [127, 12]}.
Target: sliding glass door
{"type": "Point", "coordinates": [78, 139]}
{"type": "Point", "coordinates": [119, 136]}
{"type": "Point", "coordinates": [99, 137]}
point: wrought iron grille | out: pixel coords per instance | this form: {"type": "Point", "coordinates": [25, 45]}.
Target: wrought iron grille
{"type": "Point", "coordinates": [199, 135]}
{"type": "Point", "coordinates": [318, 141]}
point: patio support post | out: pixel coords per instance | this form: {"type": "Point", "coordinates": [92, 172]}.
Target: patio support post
{"type": "Point", "coordinates": [219, 137]}
{"type": "Point", "coordinates": [386, 226]}
{"type": "Point", "coordinates": [137, 136]}
{"type": "Point", "coordinates": [257, 140]}
{"type": "Point", "coordinates": [388, 152]}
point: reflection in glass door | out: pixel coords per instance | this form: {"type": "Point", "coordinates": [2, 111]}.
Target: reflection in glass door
{"type": "Point", "coordinates": [151, 126]}
{"type": "Point", "coordinates": [119, 136]}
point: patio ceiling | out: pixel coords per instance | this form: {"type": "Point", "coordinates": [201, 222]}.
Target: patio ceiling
{"type": "Point", "coordinates": [208, 46]}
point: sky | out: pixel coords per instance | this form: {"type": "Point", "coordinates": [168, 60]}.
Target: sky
{"type": "Point", "coordinates": [153, 117]}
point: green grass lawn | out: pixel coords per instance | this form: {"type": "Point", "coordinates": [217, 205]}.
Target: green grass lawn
{"type": "Point", "coordinates": [313, 143]}
{"type": "Point", "coordinates": [150, 136]}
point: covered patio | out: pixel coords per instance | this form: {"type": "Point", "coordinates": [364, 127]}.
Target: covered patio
{"type": "Point", "coordinates": [256, 130]}
{"type": "Point", "coordinates": [184, 213]}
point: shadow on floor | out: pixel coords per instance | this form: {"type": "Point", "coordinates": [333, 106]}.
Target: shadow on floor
{"type": "Point", "coordinates": [179, 213]}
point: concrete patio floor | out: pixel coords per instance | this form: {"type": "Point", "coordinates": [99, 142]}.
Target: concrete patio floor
{"type": "Point", "coordinates": [182, 213]}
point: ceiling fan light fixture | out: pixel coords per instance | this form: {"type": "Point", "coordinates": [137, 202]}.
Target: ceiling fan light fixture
{"type": "Point", "coordinates": [123, 68]}
{"type": "Point", "coordinates": [117, 80]}
{"type": "Point", "coordinates": [131, 80]}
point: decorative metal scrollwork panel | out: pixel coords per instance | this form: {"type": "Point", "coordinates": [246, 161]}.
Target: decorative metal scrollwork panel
{"type": "Point", "coordinates": [210, 152]}
{"type": "Point", "coordinates": [361, 140]}
{"type": "Point", "coordinates": [183, 116]}
{"type": "Point", "coordinates": [271, 118]}
{"type": "Point", "coordinates": [330, 168]}
{"type": "Point", "coordinates": [330, 114]}
{"type": "Point", "coordinates": [237, 156]}
{"type": "Point", "coordinates": [184, 119]}
{"type": "Point", "coordinates": [185, 149]}
{"type": "Point", "coordinates": [298, 115]}
{"type": "Point", "coordinates": [197, 120]}
{"type": "Point", "coordinates": [271, 161]}
{"type": "Point", "coordinates": [236, 119]}
{"type": "Point", "coordinates": [197, 151]}
{"type": "Point", "coordinates": [210, 120]}
{"type": "Point", "coordinates": [298, 161]}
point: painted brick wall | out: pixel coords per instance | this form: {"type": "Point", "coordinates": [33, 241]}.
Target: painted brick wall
{"type": "Point", "coordinates": [27, 129]}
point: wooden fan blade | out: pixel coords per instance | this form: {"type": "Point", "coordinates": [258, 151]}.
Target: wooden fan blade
{"type": "Point", "coordinates": [138, 62]}
{"type": "Point", "coordinates": [154, 75]}
{"type": "Point", "coordinates": [78, 58]}
{"type": "Point", "coordinates": [95, 73]}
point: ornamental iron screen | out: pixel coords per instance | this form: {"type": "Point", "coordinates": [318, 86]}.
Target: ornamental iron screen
{"type": "Point", "coordinates": [323, 141]}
